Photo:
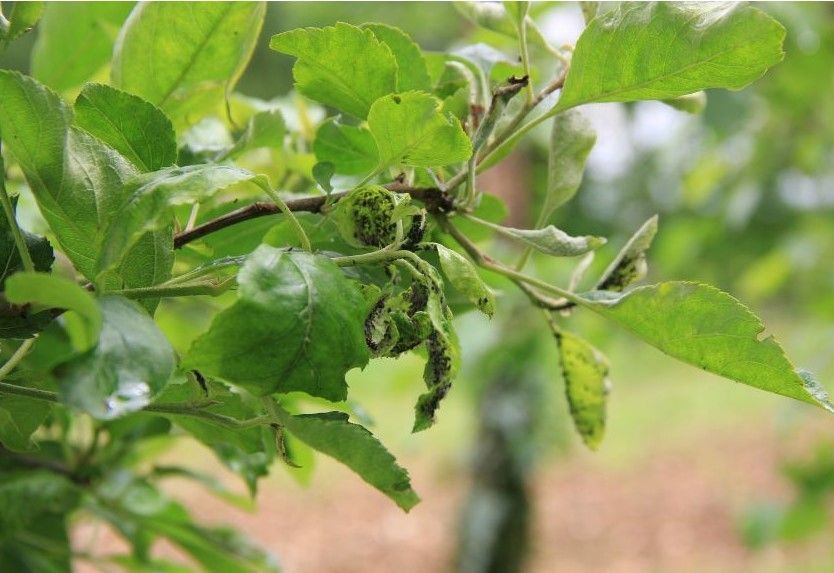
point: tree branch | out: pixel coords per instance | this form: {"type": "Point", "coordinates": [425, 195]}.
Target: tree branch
{"type": "Point", "coordinates": [523, 282]}
{"type": "Point", "coordinates": [434, 199]}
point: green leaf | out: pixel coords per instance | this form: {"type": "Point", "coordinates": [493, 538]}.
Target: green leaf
{"type": "Point", "coordinates": [323, 172]}
{"type": "Point", "coordinates": [411, 129]}
{"type": "Point", "coordinates": [629, 266]}
{"type": "Point", "coordinates": [690, 103]}
{"type": "Point", "coordinates": [341, 66]}
{"type": "Point", "coordinates": [665, 50]}
{"type": "Point", "coordinates": [464, 277]}
{"type": "Point", "coordinates": [22, 18]}
{"type": "Point", "coordinates": [25, 551]}
{"type": "Point", "coordinates": [78, 181]}
{"type": "Point", "coordinates": [130, 125]}
{"type": "Point", "coordinates": [248, 452]}
{"type": "Point", "coordinates": [27, 496]}
{"type": "Point", "coordinates": [18, 322]}
{"type": "Point", "coordinates": [552, 241]}
{"type": "Point", "coordinates": [517, 10]}
{"type": "Point", "coordinates": [412, 72]}
{"type": "Point", "coordinates": [297, 325]}
{"type": "Point", "coordinates": [153, 197]}
{"type": "Point", "coordinates": [185, 69]}
{"type": "Point", "coordinates": [39, 249]}
{"type": "Point", "coordinates": [585, 370]}
{"type": "Point", "coordinates": [210, 482]}
{"type": "Point", "coordinates": [19, 418]}
{"type": "Point", "coordinates": [264, 129]}
{"type": "Point", "coordinates": [351, 149]}
{"type": "Point", "coordinates": [75, 41]}
{"type": "Point", "coordinates": [702, 326]}
{"type": "Point", "coordinates": [496, 17]}
{"type": "Point", "coordinates": [52, 291]}
{"type": "Point", "coordinates": [331, 434]}
{"type": "Point", "coordinates": [571, 139]}
{"type": "Point", "coordinates": [125, 371]}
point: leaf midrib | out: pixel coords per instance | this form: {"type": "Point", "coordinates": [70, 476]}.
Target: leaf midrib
{"type": "Point", "coordinates": [196, 53]}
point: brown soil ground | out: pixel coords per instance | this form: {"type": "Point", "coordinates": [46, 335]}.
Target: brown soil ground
{"type": "Point", "coordinates": [674, 511]}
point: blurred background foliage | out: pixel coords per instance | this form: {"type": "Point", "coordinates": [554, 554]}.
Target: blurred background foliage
{"type": "Point", "coordinates": [745, 193]}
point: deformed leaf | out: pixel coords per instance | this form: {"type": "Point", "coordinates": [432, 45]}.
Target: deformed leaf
{"type": "Point", "coordinates": [332, 434]}
{"type": "Point", "coordinates": [585, 371]}
{"type": "Point", "coordinates": [708, 328]}
{"type": "Point", "coordinates": [663, 50]}
{"type": "Point", "coordinates": [185, 69]}
{"type": "Point", "coordinates": [441, 368]}
{"type": "Point", "coordinates": [297, 325]}
{"type": "Point", "coordinates": [412, 72]}
{"type": "Point", "coordinates": [411, 129]}
{"type": "Point", "coordinates": [125, 371]}
{"type": "Point", "coordinates": [571, 139]}
{"type": "Point", "coordinates": [629, 266]}
{"type": "Point", "coordinates": [52, 291]}
{"type": "Point", "coordinates": [443, 361]}
{"type": "Point", "coordinates": [152, 199]}
{"type": "Point", "coordinates": [553, 241]}
{"type": "Point", "coordinates": [75, 41]}
{"type": "Point", "coordinates": [341, 66]}
{"type": "Point", "coordinates": [127, 123]}
{"type": "Point", "coordinates": [351, 149]}
{"type": "Point", "coordinates": [464, 277]}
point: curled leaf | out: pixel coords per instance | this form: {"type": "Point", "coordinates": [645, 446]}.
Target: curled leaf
{"type": "Point", "coordinates": [464, 277]}
{"type": "Point", "coordinates": [629, 265]}
{"type": "Point", "coordinates": [552, 241]}
{"type": "Point", "coordinates": [585, 371]}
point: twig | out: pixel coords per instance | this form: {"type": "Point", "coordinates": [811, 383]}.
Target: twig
{"type": "Point", "coordinates": [181, 409]}
{"type": "Point", "coordinates": [17, 234]}
{"type": "Point", "coordinates": [15, 358]}
{"type": "Point", "coordinates": [433, 198]}
{"type": "Point", "coordinates": [524, 282]}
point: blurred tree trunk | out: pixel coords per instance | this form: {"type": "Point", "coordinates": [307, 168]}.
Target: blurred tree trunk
{"type": "Point", "coordinates": [495, 526]}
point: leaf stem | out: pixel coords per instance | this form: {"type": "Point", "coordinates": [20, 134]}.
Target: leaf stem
{"type": "Point", "coordinates": [509, 131]}
{"type": "Point", "coordinates": [210, 288]}
{"type": "Point", "coordinates": [178, 409]}
{"type": "Point", "coordinates": [525, 59]}
{"type": "Point", "coordinates": [524, 282]}
{"type": "Point", "coordinates": [17, 234]}
{"type": "Point", "coordinates": [299, 230]}
{"type": "Point", "coordinates": [16, 357]}
{"type": "Point", "coordinates": [376, 257]}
